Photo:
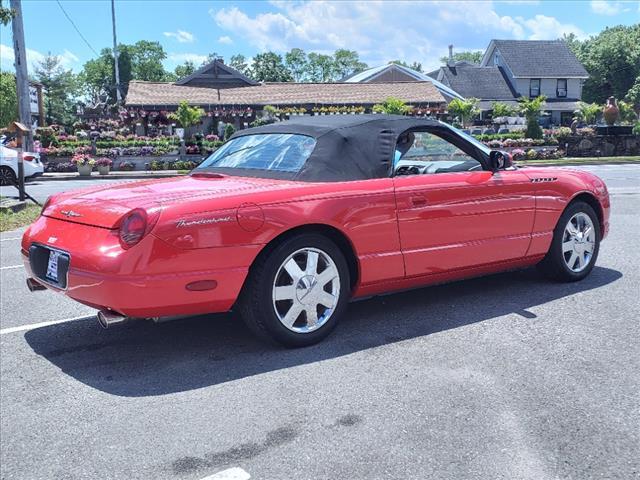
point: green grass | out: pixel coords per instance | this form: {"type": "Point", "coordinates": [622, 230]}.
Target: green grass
{"type": "Point", "coordinates": [11, 220]}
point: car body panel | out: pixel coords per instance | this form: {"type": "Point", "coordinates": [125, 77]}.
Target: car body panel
{"type": "Point", "coordinates": [402, 232]}
{"type": "Point", "coordinates": [9, 158]}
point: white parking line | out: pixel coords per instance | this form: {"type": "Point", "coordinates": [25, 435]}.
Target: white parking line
{"type": "Point", "coordinates": [12, 238]}
{"type": "Point", "coordinates": [235, 473]}
{"type": "Point", "coordinates": [12, 266]}
{"type": "Point", "coordinates": [32, 326]}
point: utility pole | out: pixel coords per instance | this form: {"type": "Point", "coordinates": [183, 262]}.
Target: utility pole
{"type": "Point", "coordinates": [22, 78]}
{"type": "Point", "coordinates": [115, 53]}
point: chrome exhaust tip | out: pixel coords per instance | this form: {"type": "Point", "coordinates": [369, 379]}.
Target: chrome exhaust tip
{"type": "Point", "coordinates": [107, 318]}
{"type": "Point", "coordinates": [34, 286]}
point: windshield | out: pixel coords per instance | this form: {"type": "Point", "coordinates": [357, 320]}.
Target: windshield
{"type": "Point", "coordinates": [271, 151]}
{"type": "Point", "coordinates": [468, 137]}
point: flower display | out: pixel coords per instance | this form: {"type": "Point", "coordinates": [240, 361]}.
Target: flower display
{"type": "Point", "coordinates": [83, 159]}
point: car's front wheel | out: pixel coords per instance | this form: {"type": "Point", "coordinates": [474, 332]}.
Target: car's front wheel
{"type": "Point", "coordinates": [7, 176]}
{"type": "Point", "coordinates": [575, 245]}
{"type": "Point", "coordinates": [297, 292]}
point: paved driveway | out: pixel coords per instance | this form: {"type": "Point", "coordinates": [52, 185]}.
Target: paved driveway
{"type": "Point", "coordinates": [506, 376]}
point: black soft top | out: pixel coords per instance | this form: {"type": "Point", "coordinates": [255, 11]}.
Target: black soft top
{"type": "Point", "coordinates": [348, 147]}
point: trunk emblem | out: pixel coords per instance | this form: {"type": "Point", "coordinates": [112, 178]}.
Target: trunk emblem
{"type": "Point", "coordinates": [70, 213]}
{"type": "Point", "coordinates": [201, 221]}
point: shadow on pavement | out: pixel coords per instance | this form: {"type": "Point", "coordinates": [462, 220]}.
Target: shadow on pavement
{"type": "Point", "coordinates": [144, 359]}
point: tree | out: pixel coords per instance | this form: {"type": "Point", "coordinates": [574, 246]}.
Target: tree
{"type": "Point", "coordinates": [320, 67]}
{"type": "Point", "coordinates": [146, 61]}
{"type": "Point", "coordinates": [414, 66]}
{"type": "Point", "coordinates": [633, 95]}
{"type": "Point", "coordinates": [392, 106]}
{"type": "Point", "coordinates": [6, 14]}
{"type": "Point", "coordinates": [470, 56]}
{"type": "Point", "coordinates": [210, 58]}
{"type": "Point", "coordinates": [464, 109]}
{"type": "Point", "coordinates": [184, 70]}
{"type": "Point", "coordinates": [345, 63]}
{"type": "Point", "coordinates": [612, 59]}
{"type": "Point", "coordinates": [8, 99]}
{"type": "Point", "coordinates": [501, 109]}
{"type": "Point", "coordinates": [61, 90]}
{"type": "Point", "coordinates": [240, 63]}
{"type": "Point", "coordinates": [627, 113]}
{"type": "Point", "coordinates": [531, 108]}
{"type": "Point", "coordinates": [296, 62]}
{"type": "Point", "coordinates": [268, 67]}
{"type": "Point", "coordinates": [588, 112]}
{"type": "Point", "coordinates": [98, 78]}
{"type": "Point", "coordinates": [187, 116]}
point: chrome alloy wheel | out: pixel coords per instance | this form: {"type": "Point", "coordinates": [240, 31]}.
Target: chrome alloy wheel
{"type": "Point", "coordinates": [578, 242]}
{"type": "Point", "coordinates": [306, 290]}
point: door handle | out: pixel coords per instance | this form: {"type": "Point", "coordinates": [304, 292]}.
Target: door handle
{"type": "Point", "coordinates": [418, 201]}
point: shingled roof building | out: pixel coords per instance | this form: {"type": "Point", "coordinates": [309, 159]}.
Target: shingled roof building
{"type": "Point", "coordinates": [226, 94]}
{"type": "Point", "coordinates": [521, 68]}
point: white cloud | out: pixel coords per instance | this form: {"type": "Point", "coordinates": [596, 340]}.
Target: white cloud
{"type": "Point", "coordinates": [68, 60]}
{"type": "Point", "coordinates": [181, 36]}
{"type": "Point", "coordinates": [602, 7]}
{"type": "Point", "coordinates": [382, 31]}
{"type": "Point", "coordinates": [225, 40]}
{"type": "Point", "coordinates": [549, 28]}
{"type": "Point", "coordinates": [177, 58]}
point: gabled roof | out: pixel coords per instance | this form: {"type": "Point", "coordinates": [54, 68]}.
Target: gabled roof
{"type": "Point", "coordinates": [216, 74]}
{"type": "Point", "coordinates": [284, 93]}
{"type": "Point", "coordinates": [405, 73]}
{"type": "Point", "coordinates": [537, 58]}
{"type": "Point", "coordinates": [484, 83]}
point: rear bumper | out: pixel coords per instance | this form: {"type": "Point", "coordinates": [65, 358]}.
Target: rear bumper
{"type": "Point", "coordinates": [148, 280]}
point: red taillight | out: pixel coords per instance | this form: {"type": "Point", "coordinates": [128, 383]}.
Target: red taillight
{"type": "Point", "coordinates": [133, 228]}
{"type": "Point", "coordinates": [28, 158]}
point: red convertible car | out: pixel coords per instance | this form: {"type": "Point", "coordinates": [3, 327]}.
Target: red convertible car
{"type": "Point", "coordinates": [286, 222]}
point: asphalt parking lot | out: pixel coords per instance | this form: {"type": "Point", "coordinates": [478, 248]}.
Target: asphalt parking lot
{"type": "Point", "coordinates": [507, 376]}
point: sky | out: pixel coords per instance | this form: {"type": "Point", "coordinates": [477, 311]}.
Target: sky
{"type": "Point", "coordinates": [379, 31]}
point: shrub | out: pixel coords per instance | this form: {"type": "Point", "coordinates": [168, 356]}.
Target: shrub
{"type": "Point", "coordinates": [228, 131]}
{"type": "Point", "coordinates": [392, 106]}
{"type": "Point", "coordinates": [518, 154]}
{"type": "Point", "coordinates": [104, 162]}
{"type": "Point", "coordinates": [83, 159]}
{"type": "Point", "coordinates": [126, 166]}
{"type": "Point", "coordinates": [562, 133]}
{"type": "Point", "coordinates": [636, 128]}
{"type": "Point", "coordinates": [532, 154]}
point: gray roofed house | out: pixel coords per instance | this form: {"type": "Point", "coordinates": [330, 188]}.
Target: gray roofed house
{"type": "Point", "coordinates": [536, 58]}
{"type": "Point", "coordinates": [511, 69]}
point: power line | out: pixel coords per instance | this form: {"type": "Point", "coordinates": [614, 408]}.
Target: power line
{"type": "Point", "coordinates": [76, 28]}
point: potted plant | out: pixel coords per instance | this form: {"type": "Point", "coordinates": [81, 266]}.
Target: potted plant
{"type": "Point", "coordinates": [84, 163]}
{"type": "Point", "coordinates": [104, 165]}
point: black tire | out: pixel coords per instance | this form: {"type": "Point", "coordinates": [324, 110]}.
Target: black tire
{"type": "Point", "coordinates": [7, 176]}
{"type": "Point", "coordinates": [554, 265]}
{"type": "Point", "coordinates": [256, 306]}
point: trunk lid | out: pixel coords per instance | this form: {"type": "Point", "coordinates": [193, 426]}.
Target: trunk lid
{"type": "Point", "coordinates": [104, 206]}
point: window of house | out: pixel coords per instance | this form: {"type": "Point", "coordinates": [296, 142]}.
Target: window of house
{"type": "Point", "coordinates": [561, 88]}
{"type": "Point", "coordinates": [534, 87]}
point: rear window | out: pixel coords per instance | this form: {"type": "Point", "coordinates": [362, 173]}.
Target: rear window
{"type": "Point", "coordinates": [271, 151]}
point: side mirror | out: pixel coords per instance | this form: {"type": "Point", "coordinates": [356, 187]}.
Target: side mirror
{"type": "Point", "coordinates": [499, 160]}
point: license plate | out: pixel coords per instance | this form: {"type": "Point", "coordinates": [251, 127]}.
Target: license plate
{"type": "Point", "coordinates": [52, 266]}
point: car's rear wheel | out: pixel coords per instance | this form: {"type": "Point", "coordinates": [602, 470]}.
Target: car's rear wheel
{"type": "Point", "coordinates": [575, 245]}
{"type": "Point", "coordinates": [7, 176]}
{"type": "Point", "coordinates": [297, 292]}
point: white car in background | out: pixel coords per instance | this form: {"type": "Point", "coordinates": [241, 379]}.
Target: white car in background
{"type": "Point", "coordinates": [33, 167]}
